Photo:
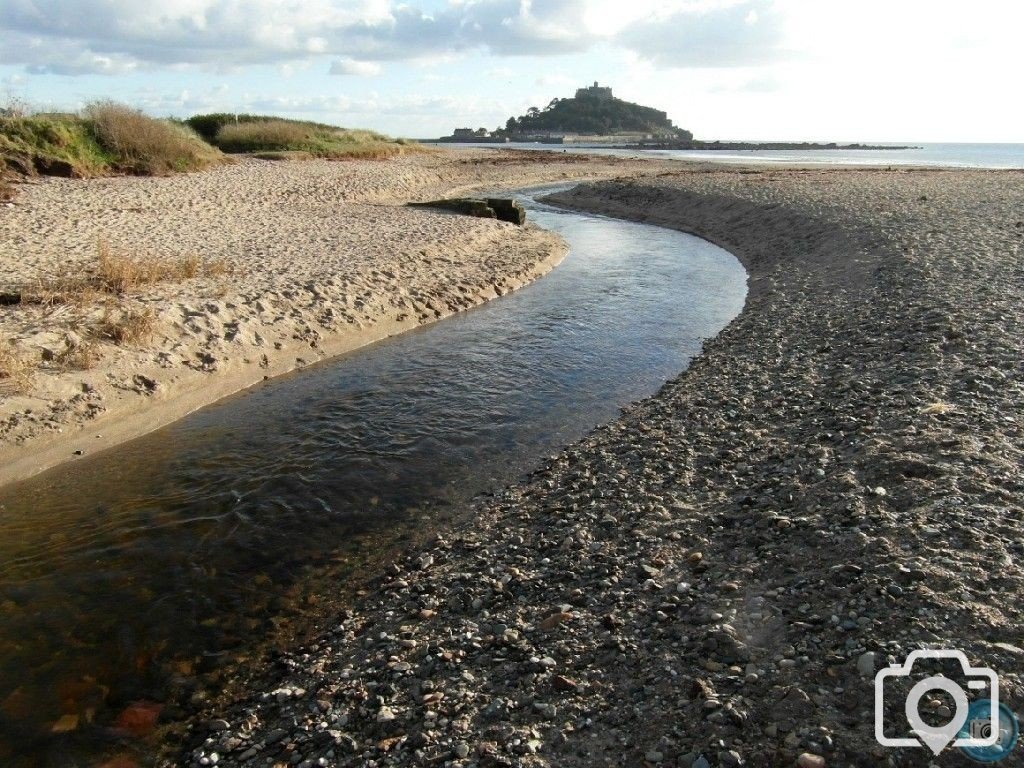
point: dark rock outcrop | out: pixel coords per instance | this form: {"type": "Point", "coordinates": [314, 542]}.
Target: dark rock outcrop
{"type": "Point", "coordinates": [508, 209]}
{"type": "Point", "coordinates": [504, 209]}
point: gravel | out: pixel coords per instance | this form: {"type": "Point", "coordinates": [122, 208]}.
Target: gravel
{"type": "Point", "coordinates": [712, 579]}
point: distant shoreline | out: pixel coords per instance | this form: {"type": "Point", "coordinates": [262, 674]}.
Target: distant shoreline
{"type": "Point", "coordinates": [680, 145]}
{"type": "Point", "coordinates": [757, 146]}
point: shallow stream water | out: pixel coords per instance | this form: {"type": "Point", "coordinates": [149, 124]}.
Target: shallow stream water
{"type": "Point", "coordinates": [127, 576]}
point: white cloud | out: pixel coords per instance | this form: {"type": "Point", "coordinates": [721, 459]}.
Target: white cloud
{"type": "Point", "coordinates": [346, 66]}
{"type": "Point", "coordinates": [734, 35]}
{"type": "Point", "coordinates": [113, 36]}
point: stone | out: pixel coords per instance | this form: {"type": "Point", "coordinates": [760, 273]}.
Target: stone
{"type": "Point", "coordinates": [466, 206]}
{"type": "Point", "coordinates": [508, 209]}
{"type": "Point", "coordinates": [554, 620]}
{"type": "Point", "coordinates": [810, 760]}
{"type": "Point", "coordinates": [866, 664]}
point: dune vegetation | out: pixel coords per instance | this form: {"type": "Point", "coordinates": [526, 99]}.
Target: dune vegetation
{"type": "Point", "coordinates": [105, 138]}
{"type": "Point", "coordinates": [279, 139]}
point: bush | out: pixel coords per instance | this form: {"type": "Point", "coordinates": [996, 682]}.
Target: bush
{"type": "Point", "coordinates": [265, 136]}
{"type": "Point", "coordinates": [142, 144]}
{"type": "Point", "coordinates": [207, 126]}
{"type": "Point", "coordinates": [62, 146]}
{"type": "Point", "coordinates": [106, 138]}
{"type": "Point", "coordinates": [275, 136]}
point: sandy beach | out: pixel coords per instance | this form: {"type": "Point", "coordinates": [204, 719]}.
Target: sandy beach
{"type": "Point", "coordinates": [295, 263]}
{"type": "Point", "coordinates": [714, 578]}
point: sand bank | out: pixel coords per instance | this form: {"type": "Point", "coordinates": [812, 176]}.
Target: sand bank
{"type": "Point", "coordinates": [714, 578]}
{"type": "Point", "coordinates": [299, 262]}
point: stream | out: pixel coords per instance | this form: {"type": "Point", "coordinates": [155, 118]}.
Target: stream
{"type": "Point", "coordinates": [129, 578]}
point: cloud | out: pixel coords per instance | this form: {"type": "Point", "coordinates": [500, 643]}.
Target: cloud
{"type": "Point", "coordinates": [102, 35]}
{"type": "Point", "coordinates": [114, 36]}
{"type": "Point", "coordinates": [742, 34]}
{"type": "Point", "coordinates": [346, 66]}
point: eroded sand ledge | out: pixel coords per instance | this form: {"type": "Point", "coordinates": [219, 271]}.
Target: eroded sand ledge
{"type": "Point", "coordinates": [324, 258]}
{"type": "Point", "coordinates": [708, 574]}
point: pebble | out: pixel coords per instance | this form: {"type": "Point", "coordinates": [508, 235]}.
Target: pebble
{"type": "Point", "coordinates": [866, 664]}
{"type": "Point", "coordinates": [637, 594]}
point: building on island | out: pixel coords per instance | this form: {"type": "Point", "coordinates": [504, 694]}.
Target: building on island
{"type": "Point", "coordinates": [594, 92]}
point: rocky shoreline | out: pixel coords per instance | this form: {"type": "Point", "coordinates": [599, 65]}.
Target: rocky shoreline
{"type": "Point", "coordinates": [714, 578]}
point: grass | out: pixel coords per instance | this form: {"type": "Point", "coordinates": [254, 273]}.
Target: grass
{"type": "Point", "coordinates": [209, 125]}
{"type": "Point", "coordinates": [106, 138]}
{"type": "Point", "coordinates": [278, 139]}
{"type": "Point", "coordinates": [126, 326]}
{"type": "Point", "coordinates": [15, 368]}
{"type": "Point", "coordinates": [62, 147]}
{"type": "Point", "coordinates": [116, 273]}
{"type": "Point", "coordinates": [80, 355]}
{"type": "Point", "coordinates": [143, 145]}
{"type": "Point", "coordinates": [282, 156]}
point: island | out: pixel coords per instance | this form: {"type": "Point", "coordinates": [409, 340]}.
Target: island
{"type": "Point", "coordinates": [595, 116]}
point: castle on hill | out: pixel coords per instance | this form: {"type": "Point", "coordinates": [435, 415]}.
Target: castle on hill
{"type": "Point", "coordinates": [594, 116]}
{"type": "Point", "coordinates": [594, 92]}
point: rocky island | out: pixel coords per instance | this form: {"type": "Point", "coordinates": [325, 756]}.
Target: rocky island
{"type": "Point", "coordinates": [596, 116]}
{"type": "Point", "coordinates": [593, 116]}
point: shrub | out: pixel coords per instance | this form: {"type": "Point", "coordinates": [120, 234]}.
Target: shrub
{"type": "Point", "coordinates": [265, 135]}
{"type": "Point", "coordinates": [274, 135]}
{"type": "Point", "coordinates": [142, 144]}
{"type": "Point", "coordinates": [107, 138]}
{"type": "Point", "coordinates": [207, 126]}
{"type": "Point", "coordinates": [64, 146]}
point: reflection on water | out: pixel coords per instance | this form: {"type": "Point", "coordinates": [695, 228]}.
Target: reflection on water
{"type": "Point", "coordinates": [125, 575]}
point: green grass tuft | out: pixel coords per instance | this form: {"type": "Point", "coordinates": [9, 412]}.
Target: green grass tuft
{"type": "Point", "coordinates": [62, 146]}
{"type": "Point", "coordinates": [267, 137]}
{"type": "Point", "coordinates": [107, 138]}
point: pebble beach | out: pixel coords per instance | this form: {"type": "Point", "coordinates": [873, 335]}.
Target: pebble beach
{"type": "Point", "coordinates": [714, 578]}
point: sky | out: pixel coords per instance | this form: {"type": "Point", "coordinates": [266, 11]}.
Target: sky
{"type": "Point", "coordinates": [828, 70]}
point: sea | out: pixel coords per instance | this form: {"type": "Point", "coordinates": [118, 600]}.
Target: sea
{"type": "Point", "coordinates": [930, 155]}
